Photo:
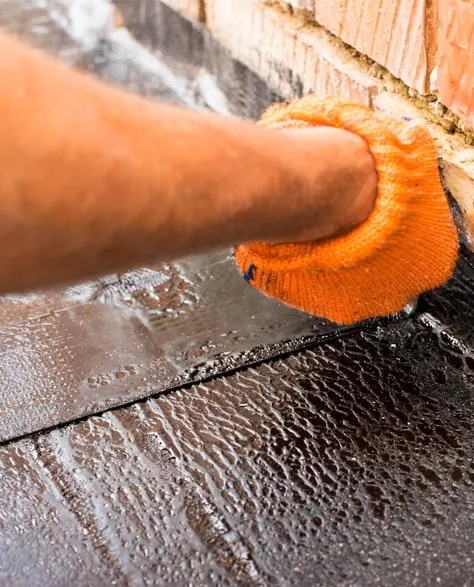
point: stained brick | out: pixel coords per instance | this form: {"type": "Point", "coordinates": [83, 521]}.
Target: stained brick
{"type": "Point", "coordinates": [456, 57]}
{"type": "Point", "coordinates": [292, 57]}
{"type": "Point", "coordinates": [398, 34]}
{"type": "Point", "coordinates": [191, 9]}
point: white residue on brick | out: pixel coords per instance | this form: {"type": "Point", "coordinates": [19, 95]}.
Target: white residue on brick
{"type": "Point", "coordinates": [206, 89]}
{"type": "Point", "coordinates": [83, 20]}
{"type": "Point", "coordinates": [132, 51]}
{"type": "Point", "coordinates": [434, 81]}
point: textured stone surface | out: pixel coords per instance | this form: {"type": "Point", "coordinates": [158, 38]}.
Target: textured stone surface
{"type": "Point", "coordinates": [398, 34]}
{"type": "Point", "coordinates": [347, 464]}
{"type": "Point", "coordinates": [456, 57]}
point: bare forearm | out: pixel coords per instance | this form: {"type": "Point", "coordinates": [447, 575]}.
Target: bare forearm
{"type": "Point", "coordinates": [93, 179]}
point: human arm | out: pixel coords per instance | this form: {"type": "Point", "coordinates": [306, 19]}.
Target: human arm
{"type": "Point", "coordinates": [94, 179]}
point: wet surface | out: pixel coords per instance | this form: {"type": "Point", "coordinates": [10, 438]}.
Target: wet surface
{"type": "Point", "coordinates": [350, 463]}
{"type": "Point", "coordinates": [125, 337]}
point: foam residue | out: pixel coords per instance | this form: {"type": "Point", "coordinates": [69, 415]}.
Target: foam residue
{"type": "Point", "coordinates": [111, 288]}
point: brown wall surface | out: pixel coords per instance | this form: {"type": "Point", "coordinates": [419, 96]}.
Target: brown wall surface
{"type": "Point", "coordinates": [398, 34]}
{"type": "Point", "coordinates": [456, 57]}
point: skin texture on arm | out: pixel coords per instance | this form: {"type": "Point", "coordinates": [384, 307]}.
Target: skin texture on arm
{"type": "Point", "coordinates": [93, 179]}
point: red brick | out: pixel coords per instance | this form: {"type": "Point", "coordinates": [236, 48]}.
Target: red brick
{"type": "Point", "coordinates": [456, 57]}
{"type": "Point", "coordinates": [398, 34]}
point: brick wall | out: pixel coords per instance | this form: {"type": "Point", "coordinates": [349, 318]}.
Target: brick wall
{"type": "Point", "coordinates": [456, 57]}
{"type": "Point", "coordinates": [424, 44]}
{"type": "Point", "coordinates": [398, 34]}
{"type": "Point", "coordinates": [405, 57]}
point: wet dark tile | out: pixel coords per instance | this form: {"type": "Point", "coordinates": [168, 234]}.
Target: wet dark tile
{"type": "Point", "coordinates": [78, 351]}
{"type": "Point", "coordinates": [42, 542]}
{"type": "Point", "coordinates": [351, 463]}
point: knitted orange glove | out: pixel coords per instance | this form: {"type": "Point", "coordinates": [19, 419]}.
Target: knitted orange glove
{"type": "Point", "coordinates": [407, 246]}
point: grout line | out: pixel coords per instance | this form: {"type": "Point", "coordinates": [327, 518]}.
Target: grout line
{"type": "Point", "coordinates": [304, 345]}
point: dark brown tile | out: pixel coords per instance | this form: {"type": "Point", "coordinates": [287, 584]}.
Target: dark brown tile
{"type": "Point", "coordinates": [347, 464]}
{"type": "Point", "coordinates": [42, 541]}
{"type": "Point", "coordinates": [78, 351]}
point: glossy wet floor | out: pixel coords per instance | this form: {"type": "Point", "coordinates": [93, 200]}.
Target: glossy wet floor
{"type": "Point", "coordinates": [348, 463]}
{"type": "Point", "coordinates": [125, 337]}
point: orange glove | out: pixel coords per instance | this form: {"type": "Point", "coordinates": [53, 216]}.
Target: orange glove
{"type": "Point", "coordinates": [407, 246]}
